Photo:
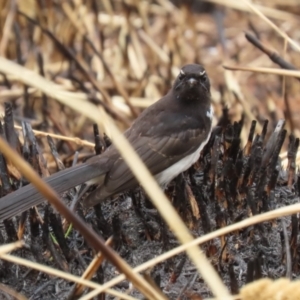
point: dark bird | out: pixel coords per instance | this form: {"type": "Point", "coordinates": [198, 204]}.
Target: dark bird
{"type": "Point", "coordinates": [168, 136]}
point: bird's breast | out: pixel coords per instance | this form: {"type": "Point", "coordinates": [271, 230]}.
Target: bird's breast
{"type": "Point", "coordinates": [182, 165]}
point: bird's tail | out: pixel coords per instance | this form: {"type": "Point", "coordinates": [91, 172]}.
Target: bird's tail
{"type": "Point", "coordinates": [26, 197]}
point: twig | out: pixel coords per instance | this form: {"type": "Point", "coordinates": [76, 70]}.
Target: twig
{"type": "Point", "coordinates": [75, 140]}
{"type": "Point", "coordinates": [277, 29]}
{"type": "Point", "coordinates": [287, 251]}
{"type": "Point", "coordinates": [274, 56]}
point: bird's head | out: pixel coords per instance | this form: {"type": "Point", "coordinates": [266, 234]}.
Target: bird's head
{"type": "Point", "coordinates": [192, 83]}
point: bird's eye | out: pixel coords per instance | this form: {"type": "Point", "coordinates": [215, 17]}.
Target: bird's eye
{"type": "Point", "coordinates": [181, 75]}
{"type": "Point", "coordinates": [202, 75]}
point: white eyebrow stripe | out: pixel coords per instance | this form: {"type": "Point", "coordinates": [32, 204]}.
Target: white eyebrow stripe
{"type": "Point", "coordinates": [181, 72]}
{"type": "Point", "coordinates": [202, 73]}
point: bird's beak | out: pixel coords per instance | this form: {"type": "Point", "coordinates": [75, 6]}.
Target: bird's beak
{"type": "Point", "coordinates": [192, 82]}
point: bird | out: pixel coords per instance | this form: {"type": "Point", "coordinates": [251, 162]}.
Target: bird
{"type": "Point", "coordinates": [168, 136]}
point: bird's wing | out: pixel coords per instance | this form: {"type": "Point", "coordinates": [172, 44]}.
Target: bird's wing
{"type": "Point", "coordinates": [158, 153]}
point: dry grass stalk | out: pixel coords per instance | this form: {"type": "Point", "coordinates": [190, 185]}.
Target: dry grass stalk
{"type": "Point", "coordinates": [75, 140]}
{"type": "Point", "coordinates": [275, 71]}
{"type": "Point", "coordinates": [58, 273]}
{"type": "Point", "coordinates": [11, 247]}
{"type": "Point", "coordinates": [92, 268]}
{"type": "Point", "coordinates": [9, 291]}
{"type": "Point", "coordinates": [267, 11]}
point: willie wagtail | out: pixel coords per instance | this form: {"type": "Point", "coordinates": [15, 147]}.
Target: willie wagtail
{"type": "Point", "coordinates": [168, 136]}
